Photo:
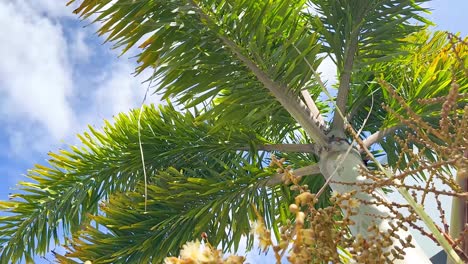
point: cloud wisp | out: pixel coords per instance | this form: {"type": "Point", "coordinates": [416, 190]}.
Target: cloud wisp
{"type": "Point", "coordinates": [55, 79]}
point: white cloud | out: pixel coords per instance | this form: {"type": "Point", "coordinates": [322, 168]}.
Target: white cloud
{"type": "Point", "coordinates": [51, 85]}
{"type": "Point", "coordinates": [117, 90]}
{"type": "Point", "coordinates": [34, 70]}
{"type": "Point", "coordinates": [79, 49]}
{"type": "Point", "coordinates": [53, 8]}
{"type": "Point", "coordinates": [27, 139]}
{"type": "Point", "coordinates": [327, 70]}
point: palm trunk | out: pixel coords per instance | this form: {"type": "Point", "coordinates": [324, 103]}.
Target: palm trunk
{"type": "Point", "coordinates": [343, 167]}
{"type": "Point", "coordinates": [459, 215]}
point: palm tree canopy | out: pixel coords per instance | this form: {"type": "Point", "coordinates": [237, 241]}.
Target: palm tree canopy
{"type": "Point", "coordinates": [242, 71]}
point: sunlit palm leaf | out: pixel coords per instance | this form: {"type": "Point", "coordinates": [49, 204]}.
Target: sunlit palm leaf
{"type": "Point", "coordinates": [377, 27]}
{"type": "Point", "coordinates": [181, 206]}
{"type": "Point", "coordinates": [203, 165]}
{"type": "Point", "coordinates": [77, 179]}
{"type": "Point", "coordinates": [186, 42]}
{"type": "Point", "coordinates": [427, 71]}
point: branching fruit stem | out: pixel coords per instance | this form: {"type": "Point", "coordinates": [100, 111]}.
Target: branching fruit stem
{"type": "Point", "coordinates": [345, 164]}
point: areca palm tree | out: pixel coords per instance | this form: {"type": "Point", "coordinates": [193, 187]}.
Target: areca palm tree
{"type": "Point", "coordinates": [245, 75]}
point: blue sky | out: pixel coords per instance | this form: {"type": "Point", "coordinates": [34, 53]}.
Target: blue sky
{"type": "Point", "coordinates": [56, 77]}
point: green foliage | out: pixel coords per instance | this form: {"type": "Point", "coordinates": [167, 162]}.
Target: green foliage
{"type": "Point", "coordinates": [203, 162]}
{"type": "Point", "coordinates": [63, 194]}
{"type": "Point", "coordinates": [193, 64]}
{"type": "Point", "coordinates": [378, 27]}
{"type": "Point", "coordinates": [424, 72]}
{"type": "Point", "coordinates": [421, 78]}
{"type": "Point", "coordinates": [181, 205]}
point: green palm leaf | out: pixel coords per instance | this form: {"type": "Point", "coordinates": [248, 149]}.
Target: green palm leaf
{"type": "Point", "coordinates": [374, 28]}
{"type": "Point", "coordinates": [228, 50]}
{"type": "Point", "coordinates": [423, 73]}
{"type": "Point", "coordinates": [181, 205]}
{"type": "Point", "coordinates": [360, 33]}
{"type": "Point", "coordinates": [241, 68]}
{"type": "Point", "coordinates": [63, 193]}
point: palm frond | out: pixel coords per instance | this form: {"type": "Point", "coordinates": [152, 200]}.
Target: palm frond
{"type": "Point", "coordinates": [59, 196]}
{"type": "Point", "coordinates": [425, 73]}
{"type": "Point", "coordinates": [378, 27]}
{"type": "Point", "coordinates": [233, 54]}
{"type": "Point", "coordinates": [360, 33]}
{"type": "Point", "coordinates": [422, 78]}
{"type": "Point", "coordinates": [182, 205]}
